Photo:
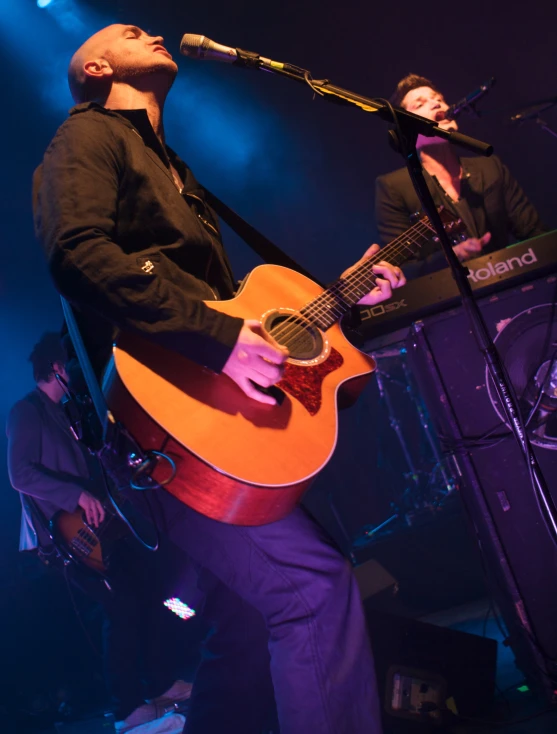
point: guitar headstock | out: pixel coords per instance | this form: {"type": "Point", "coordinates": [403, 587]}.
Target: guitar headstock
{"type": "Point", "coordinates": [409, 244]}
{"type": "Point", "coordinates": [454, 227]}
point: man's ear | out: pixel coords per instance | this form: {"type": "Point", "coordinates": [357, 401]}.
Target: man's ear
{"type": "Point", "coordinates": [97, 68]}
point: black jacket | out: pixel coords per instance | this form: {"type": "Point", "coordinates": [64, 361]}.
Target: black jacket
{"type": "Point", "coordinates": [491, 201]}
{"type": "Point", "coordinates": [124, 245]}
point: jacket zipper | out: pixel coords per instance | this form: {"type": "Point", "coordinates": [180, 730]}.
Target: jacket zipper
{"type": "Point", "coordinates": [212, 229]}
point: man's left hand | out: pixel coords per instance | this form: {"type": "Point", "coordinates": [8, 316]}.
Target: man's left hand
{"type": "Point", "coordinates": [390, 277]}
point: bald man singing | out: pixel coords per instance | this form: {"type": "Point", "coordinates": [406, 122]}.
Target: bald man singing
{"type": "Point", "coordinates": [132, 243]}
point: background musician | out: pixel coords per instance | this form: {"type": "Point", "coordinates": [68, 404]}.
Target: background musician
{"type": "Point", "coordinates": [479, 190]}
{"type": "Point", "coordinates": [141, 639]}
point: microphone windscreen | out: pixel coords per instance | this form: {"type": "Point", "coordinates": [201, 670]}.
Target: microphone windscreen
{"type": "Point", "coordinates": [191, 44]}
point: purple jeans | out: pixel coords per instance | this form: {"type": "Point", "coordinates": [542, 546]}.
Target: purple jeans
{"type": "Point", "coordinates": [307, 598]}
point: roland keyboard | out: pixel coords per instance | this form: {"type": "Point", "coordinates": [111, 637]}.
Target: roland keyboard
{"type": "Point", "coordinates": [438, 291]}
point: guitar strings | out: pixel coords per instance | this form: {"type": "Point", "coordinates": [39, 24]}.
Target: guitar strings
{"type": "Point", "coordinates": [103, 526]}
{"type": "Point", "coordinates": [362, 284]}
{"type": "Point", "coordinates": [321, 305]}
{"type": "Point", "coordinates": [315, 309]}
{"type": "Point", "coordinates": [355, 284]}
{"type": "Point", "coordinates": [407, 236]}
{"type": "Point", "coordinates": [354, 276]}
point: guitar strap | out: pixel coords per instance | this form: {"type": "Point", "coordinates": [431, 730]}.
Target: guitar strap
{"type": "Point", "coordinates": [266, 249]}
{"type": "Point", "coordinates": [101, 408]}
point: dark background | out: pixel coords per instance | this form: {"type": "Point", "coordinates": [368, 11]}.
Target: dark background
{"type": "Point", "coordinates": [298, 168]}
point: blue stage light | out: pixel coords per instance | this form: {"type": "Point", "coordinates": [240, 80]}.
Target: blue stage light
{"type": "Point", "coordinates": [43, 3]}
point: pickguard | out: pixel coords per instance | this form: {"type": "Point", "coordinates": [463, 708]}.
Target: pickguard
{"type": "Point", "coordinates": [304, 382]}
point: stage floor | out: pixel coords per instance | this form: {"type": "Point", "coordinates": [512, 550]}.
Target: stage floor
{"type": "Point", "coordinates": [511, 705]}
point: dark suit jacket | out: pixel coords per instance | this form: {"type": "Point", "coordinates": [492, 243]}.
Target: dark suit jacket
{"type": "Point", "coordinates": [44, 460]}
{"type": "Point", "coordinates": [493, 202]}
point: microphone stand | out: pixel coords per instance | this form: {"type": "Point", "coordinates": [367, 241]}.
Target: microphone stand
{"type": "Point", "coordinates": [405, 139]}
{"type": "Point", "coordinates": [407, 128]}
{"type": "Point", "coordinates": [533, 112]}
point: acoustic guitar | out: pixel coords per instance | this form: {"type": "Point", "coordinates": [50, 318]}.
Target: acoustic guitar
{"type": "Point", "coordinates": [237, 460]}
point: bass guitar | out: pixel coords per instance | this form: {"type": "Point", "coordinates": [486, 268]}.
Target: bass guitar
{"type": "Point", "coordinates": [84, 543]}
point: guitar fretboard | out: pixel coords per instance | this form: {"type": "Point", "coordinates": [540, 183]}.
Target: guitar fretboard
{"type": "Point", "coordinates": [338, 298]}
{"type": "Point", "coordinates": [329, 307]}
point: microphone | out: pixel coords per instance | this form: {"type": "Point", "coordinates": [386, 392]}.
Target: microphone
{"type": "Point", "coordinates": [200, 47]}
{"type": "Point", "coordinates": [467, 102]}
{"type": "Point", "coordinates": [533, 110]}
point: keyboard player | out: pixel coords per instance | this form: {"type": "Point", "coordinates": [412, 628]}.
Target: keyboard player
{"type": "Point", "coordinates": [480, 191]}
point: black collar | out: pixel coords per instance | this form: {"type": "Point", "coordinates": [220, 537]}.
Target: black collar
{"type": "Point", "coordinates": [137, 120]}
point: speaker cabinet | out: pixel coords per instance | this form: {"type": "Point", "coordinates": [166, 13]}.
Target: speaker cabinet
{"type": "Point", "coordinates": [519, 551]}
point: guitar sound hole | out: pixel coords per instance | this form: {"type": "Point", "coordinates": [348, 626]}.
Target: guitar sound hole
{"type": "Point", "coordinates": [303, 340]}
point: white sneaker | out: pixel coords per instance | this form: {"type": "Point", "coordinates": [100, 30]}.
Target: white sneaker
{"type": "Point", "coordinates": [180, 690]}
{"type": "Point", "coordinates": [141, 715]}
{"type": "Point", "coordinates": [170, 724]}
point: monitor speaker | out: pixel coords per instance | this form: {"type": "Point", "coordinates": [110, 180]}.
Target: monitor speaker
{"type": "Point", "coordinates": [426, 674]}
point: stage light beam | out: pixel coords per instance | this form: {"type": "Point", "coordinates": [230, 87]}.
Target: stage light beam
{"type": "Point", "coordinates": [180, 608]}
{"type": "Point", "coordinates": [43, 3]}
